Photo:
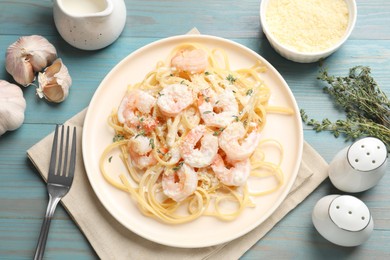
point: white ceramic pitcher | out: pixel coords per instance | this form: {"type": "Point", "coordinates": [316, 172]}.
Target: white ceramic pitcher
{"type": "Point", "coordinates": [89, 24]}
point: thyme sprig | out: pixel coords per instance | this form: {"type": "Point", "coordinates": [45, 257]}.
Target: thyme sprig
{"type": "Point", "coordinates": [366, 106]}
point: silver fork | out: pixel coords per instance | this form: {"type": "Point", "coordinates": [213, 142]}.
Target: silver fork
{"type": "Point", "coordinates": [60, 178]}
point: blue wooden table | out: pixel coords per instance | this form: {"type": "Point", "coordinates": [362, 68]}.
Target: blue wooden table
{"type": "Point", "coordinates": [23, 196]}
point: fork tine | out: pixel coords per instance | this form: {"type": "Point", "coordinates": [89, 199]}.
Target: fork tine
{"type": "Point", "coordinates": [72, 163]}
{"type": "Point", "coordinates": [53, 157]}
{"type": "Point", "coordinates": [60, 155]}
{"type": "Point", "coordinates": [64, 170]}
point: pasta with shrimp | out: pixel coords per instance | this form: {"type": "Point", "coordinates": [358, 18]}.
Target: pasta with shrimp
{"type": "Point", "coordinates": [189, 135]}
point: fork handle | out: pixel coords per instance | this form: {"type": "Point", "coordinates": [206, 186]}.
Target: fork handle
{"type": "Point", "coordinates": [53, 201]}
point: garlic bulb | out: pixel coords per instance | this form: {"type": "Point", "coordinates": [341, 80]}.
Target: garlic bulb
{"type": "Point", "coordinates": [12, 106]}
{"type": "Point", "coordinates": [54, 82]}
{"type": "Point", "coordinates": [28, 55]}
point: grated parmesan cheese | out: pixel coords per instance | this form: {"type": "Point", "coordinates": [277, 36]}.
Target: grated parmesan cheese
{"type": "Point", "coordinates": [307, 25]}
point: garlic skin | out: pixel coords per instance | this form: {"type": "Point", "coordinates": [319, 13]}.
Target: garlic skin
{"type": "Point", "coordinates": [27, 56]}
{"type": "Point", "coordinates": [12, 106]}
{"type": "Point", "coordinates": [54, 82]}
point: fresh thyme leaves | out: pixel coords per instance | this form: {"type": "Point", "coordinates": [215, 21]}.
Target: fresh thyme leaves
{"type": "Point", "coordinates": [249, 92]}
{"type": "Point", "coordinates": [367, 107]}
{"type": "Point", "coordinates": [231, 78]}
{"type": "Point", "coordinates": [109, 159]}
{"type": "Point", "coordinates": [207, 112]}
{"type": "Point", "coordinates": [118, 137]}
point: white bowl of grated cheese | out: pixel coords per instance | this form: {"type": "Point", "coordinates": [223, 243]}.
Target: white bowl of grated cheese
{"type": "Point", "coordinates": [307, 30]}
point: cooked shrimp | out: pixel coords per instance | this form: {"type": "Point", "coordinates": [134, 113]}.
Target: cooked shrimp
{"type": "Point", "coordinates": [173, 99]}
{"type": "Point", "coordinates": [140, 150]}
{"type": "Point", "coordinates": [203, 156]}
{"type": "Point", "coordinates": [192, 61]}
{"type": "Point", "coordinates": [174, 154]}
{"type": "Point", "coordinates": [235, 175]}
{"type": "Point", "coordinates": [180, 184]}
{"type": "Point", "coordinates": [233, 142]}
{"type": "Point", "coordinates": [218, 110]}
{"type": "Point", "coordinates": [135, 109]}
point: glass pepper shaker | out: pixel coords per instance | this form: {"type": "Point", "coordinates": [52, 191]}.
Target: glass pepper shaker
{"type": "Point", "coordinates": [360, 166]}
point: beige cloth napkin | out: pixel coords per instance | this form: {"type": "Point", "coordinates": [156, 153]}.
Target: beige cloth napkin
{"type": "Point", "coordinates": [113, 241]}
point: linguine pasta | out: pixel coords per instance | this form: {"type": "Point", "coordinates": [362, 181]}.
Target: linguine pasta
{"type": "Point", "coordinates": [171, 180]}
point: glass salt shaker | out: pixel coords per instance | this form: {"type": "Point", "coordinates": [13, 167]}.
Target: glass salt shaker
{"type": "Point", "coordinates": [343, 220]}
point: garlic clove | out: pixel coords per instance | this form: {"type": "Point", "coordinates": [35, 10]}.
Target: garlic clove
{"type": "Point", "coordinates": [54, 82]}
{"type": "Point", "coordinates": [21, 71]}
{"type": "Point", "coordinates": [43, 53]}
{"type": "Point", "coordinates": [28, 55]}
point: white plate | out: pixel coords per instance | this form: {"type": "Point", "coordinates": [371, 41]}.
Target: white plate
{"type": "Point", "coordinates": [205, 231]}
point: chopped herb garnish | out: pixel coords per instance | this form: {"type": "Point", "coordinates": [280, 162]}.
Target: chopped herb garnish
{"type": "Point", "coordinates": [216, 102]}
{"type": "Point", "coordinates": [207, 99]}
{"type": "Point", "coordinates": [231, 78]}
{"type": "Point", "coordinates": [179, 165]}
{"type": "Point", "coordinates": [141, 119]}
{"type": "Point", "coordinates": [109, 159]}
{"type": "Point", "coordinates": [207, 73]}
{"type": "Point", "coordinates": [236, 118]}
{"type": "Point", "coordinates": [151, 143]}
{"type": "Point", "coordinates": [216, 133]}
{"type": "Point", "coordinates": [249, 92]}
{"type": "Point", "coordinates": [207, 112]}
{"type": "Point", "coordinates": [118, 137]}
{"type": "Point", "coordinates": [140, 133]}
{"type": "Point", "coordinates": [159, 94]}
{"type": "Point", "coordinates": [159, 151]}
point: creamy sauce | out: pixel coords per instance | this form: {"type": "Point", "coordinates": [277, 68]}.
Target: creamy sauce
{"type": "Point", "coordinates": [83, 7]}
{"type": "Point", "coordinates": [307, 25]}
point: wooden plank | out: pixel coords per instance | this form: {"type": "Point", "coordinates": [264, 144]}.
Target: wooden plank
{"type": "Point", "coordinates": [18, 239]}
{"type": "Point", "coordinates": [236, 19]}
